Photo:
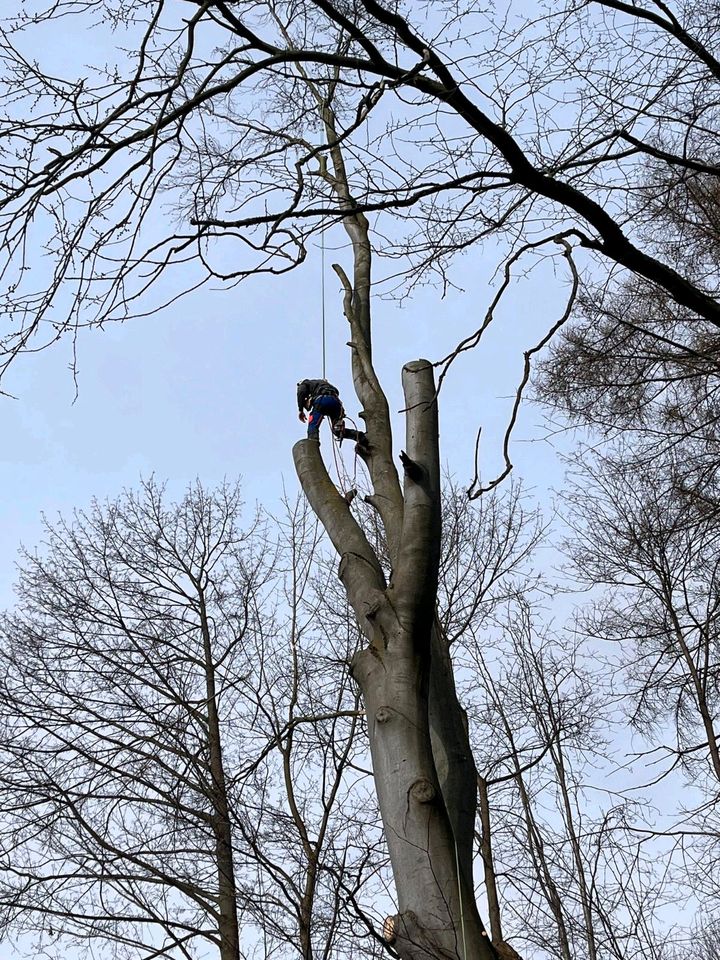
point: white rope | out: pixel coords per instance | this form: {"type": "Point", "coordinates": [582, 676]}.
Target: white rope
{"type": "Point", "coordinates": [462, 913]}
{"type": "Point", "coordinates": [322, 296]}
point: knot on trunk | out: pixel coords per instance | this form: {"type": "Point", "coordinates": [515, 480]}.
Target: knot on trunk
{"type": "Point", "coordinates": [422, 791]}
{"type": "Point", "coordinates": [373, 608]}
{"type": "Point", "coordinates": [383, 714]}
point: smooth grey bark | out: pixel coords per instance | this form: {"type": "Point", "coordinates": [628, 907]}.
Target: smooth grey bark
{"type": "Point", "coordinates": [423, 766]}
{"type": "Point", "coordinates": [437, 913]}
{"type": "Point", "coordinates": [448, 724]}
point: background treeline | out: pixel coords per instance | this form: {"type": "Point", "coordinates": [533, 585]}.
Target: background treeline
{"type": "Point", "coordinates": [184, 766]}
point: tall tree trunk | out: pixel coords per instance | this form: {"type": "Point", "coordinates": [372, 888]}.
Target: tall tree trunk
{"type": "Point", "coordinates": [488, 862]}
{"type": "Point", "coordinates": [228, 925]}
{"type": "Point", "coordinates": [423, 766]}
{"type": "Point", "coordinates": [437, 913]}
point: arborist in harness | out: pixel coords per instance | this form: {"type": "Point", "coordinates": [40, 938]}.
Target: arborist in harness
{"type": "Point", "coordinates": [320, 399]}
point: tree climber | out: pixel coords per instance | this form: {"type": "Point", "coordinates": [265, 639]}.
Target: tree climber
{"type": "Point", "coordinates": [321, 399]}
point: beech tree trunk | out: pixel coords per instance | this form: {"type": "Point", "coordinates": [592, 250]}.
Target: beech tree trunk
{"type": "Point", "coordinates": [424, 771]}
{"type": "Point", "coordinates": [437, 914]}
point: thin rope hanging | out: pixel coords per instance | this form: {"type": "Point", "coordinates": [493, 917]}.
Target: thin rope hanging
{"type": "Point", "coordinates": [322, 296]}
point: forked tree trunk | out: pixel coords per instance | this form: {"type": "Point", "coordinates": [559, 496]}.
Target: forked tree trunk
{"type": "Point", "coordinates": [437, 914]}
{"type": "Point", "coordinates": [424, 771]}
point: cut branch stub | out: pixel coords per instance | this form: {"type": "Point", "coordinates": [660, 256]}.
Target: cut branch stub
{"type": "Point", "coordinates": [412, 469]}
{"type": "Point", "coordinates": [415, 579]}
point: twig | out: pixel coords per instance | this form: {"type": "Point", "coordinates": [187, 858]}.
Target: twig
{"type": "Point", "coordinates": [476, 489]}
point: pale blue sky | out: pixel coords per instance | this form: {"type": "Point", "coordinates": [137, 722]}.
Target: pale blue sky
{"type": "Point", "coordinates": [206, 389]}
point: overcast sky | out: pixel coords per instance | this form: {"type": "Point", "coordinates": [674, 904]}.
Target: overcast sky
{"type": "Point", "coordinates": [206, 389]}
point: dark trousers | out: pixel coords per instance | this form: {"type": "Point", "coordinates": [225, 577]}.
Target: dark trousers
{"type": "Point", "coordinates": [325, 406]}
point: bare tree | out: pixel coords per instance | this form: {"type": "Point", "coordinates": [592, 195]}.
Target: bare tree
{"type": "Point", "coordinates": [177, 735]}
{"type": "Point", "coordinates": [108, 788]}
{"type": "Point", "coordinates": [570, 864]}
{"type": "Point", "coordinates": [642, 374]}
{"type": "Point", "coordinates": [656, 548]}
{"type": "Point", "coordinates": [534, 128]}
{"type": "Point", "coordinates": [107, 770]}
{"type": "Point", "coordinates": [645, 545]}
{"type": "Point", "coordinates": [251, 117]}
{"type": "Point", "coordinates": [305, 805]}
{"type": "Point", "coordinates": [113, 763]}
{"type": "Point", "coordinates": [633, 362]}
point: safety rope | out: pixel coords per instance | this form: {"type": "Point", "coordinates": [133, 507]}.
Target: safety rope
{"type": "Point", "coordinates": [344, 482]}
{"type": "Point", "coordinates": [322, 296]}
{"type": "Point", "coordinates": [338, 461]}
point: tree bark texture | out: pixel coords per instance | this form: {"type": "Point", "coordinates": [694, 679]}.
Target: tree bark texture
{"type": "Point", "coordinates": [424, 771]}
{"type": "Point", "coordinates": [425, 781]}
{"type": "Point", "coordinates": [488, 863]}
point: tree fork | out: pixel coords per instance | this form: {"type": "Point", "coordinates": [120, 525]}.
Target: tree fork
{"type": "Point", "coordinates": [437, 914]}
